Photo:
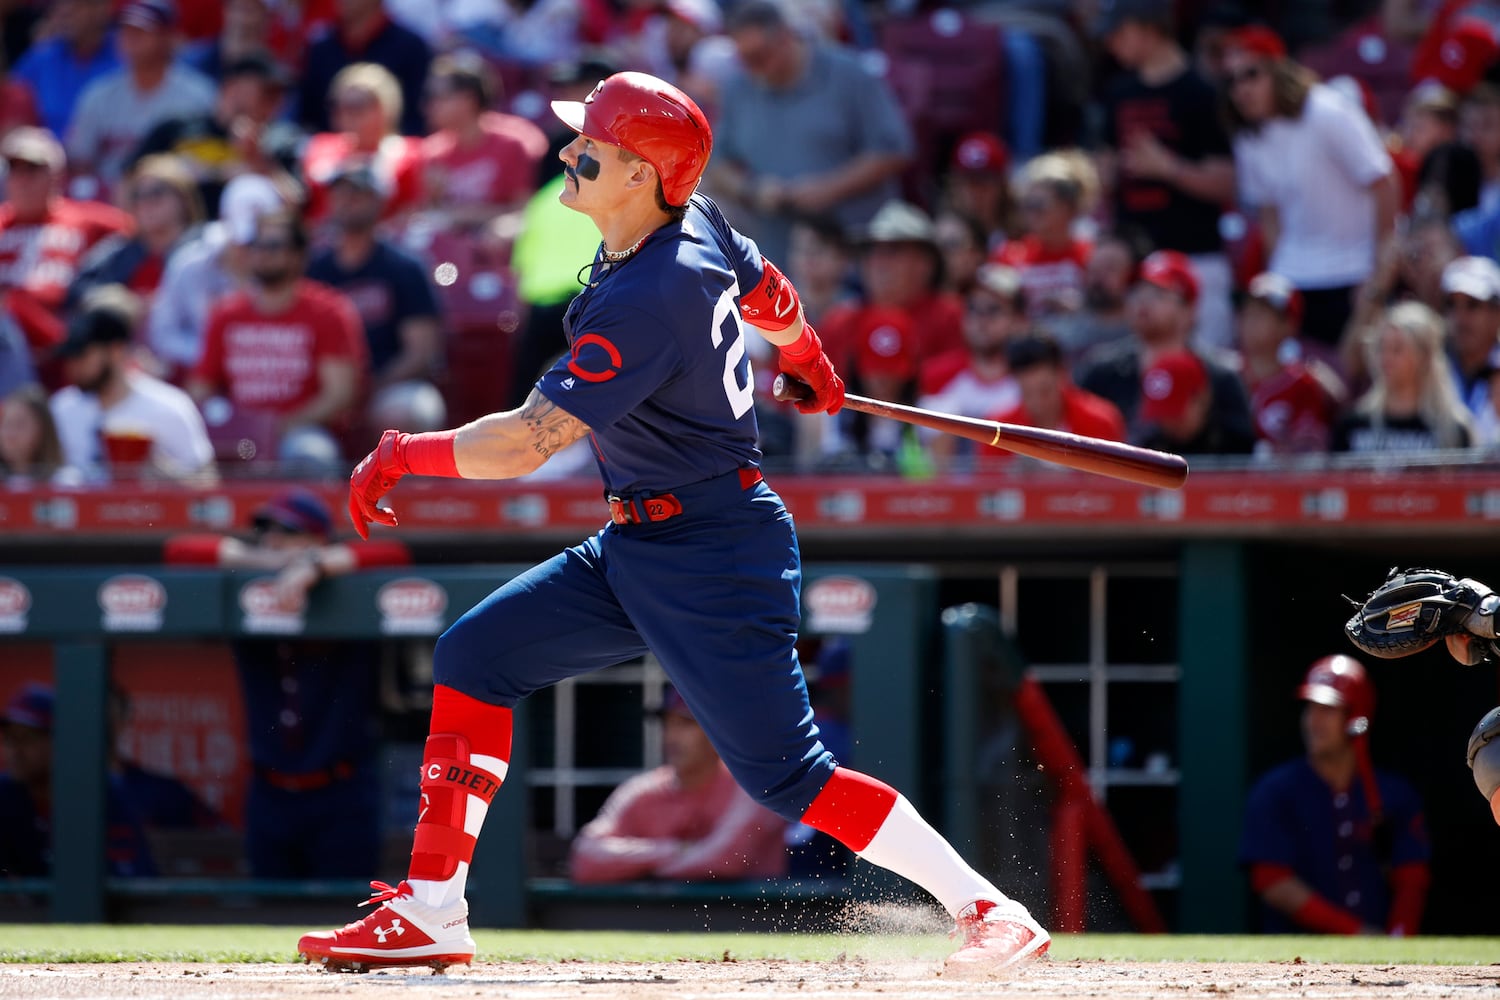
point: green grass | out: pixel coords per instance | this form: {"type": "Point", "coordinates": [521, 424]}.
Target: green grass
{"type": "Point", "coordinates": [55, 943]}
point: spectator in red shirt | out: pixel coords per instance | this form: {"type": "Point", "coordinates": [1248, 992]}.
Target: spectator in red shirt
{"type": "Point", "coordinates": [1294, 397]}
{"type": "Point", "coordinates": [288, 354]}
{"type": "Point", "coordinates": [44, 236]}
{"type": "Point", "coordinates": [477, 163]}
{"type": "Point", "coordinates": [685, 820]}
{"type": "Point", "coordinates": [366, 109]}
{"type": "Point", "coordinates": [900, 267]}
{"type": "Point", "coordinates": [1048, 398]}
{"type": "Point", "coordinates": [974, 380]}
{"type": "Point", "coordinates": [1056, 189]}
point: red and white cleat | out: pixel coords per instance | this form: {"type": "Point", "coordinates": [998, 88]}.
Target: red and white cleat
{"type": "Point", "coordinates": [402, 931]}
{"type": "Point", "coordinates": [994, 939]}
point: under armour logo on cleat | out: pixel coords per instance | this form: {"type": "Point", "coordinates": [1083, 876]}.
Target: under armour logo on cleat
{"type": "Point", "coordinates": [395, 928]}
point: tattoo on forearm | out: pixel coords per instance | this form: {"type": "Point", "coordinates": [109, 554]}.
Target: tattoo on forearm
{"type": "Point", "coordinates": [551, 428]}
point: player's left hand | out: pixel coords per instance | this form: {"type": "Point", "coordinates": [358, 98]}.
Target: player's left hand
{"type": "Point", "coordinates": [372, 479]}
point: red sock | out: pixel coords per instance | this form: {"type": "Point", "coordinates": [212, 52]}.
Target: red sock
{"type": "Point", "coordinates": [851, 808]}
{"type": "Point", "coordinates": [462, 728]}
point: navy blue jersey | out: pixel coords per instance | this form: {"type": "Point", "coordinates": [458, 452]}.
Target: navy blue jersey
{"type": "Point", "coordinates": [1295, 820]}
{"type": "Point", "coordinates": [657, 366]}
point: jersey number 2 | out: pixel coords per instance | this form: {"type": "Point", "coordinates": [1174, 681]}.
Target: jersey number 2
{"type": "Point", "coordinates": [740, 388]}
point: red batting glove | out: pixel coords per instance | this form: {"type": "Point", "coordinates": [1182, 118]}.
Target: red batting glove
{"type": "Point", "coordinates": [372, 479]}
{"type": "Point", "coordinates": [806, 362]}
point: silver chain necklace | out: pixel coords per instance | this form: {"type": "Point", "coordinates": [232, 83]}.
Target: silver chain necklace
{"type": "Point", "coordinates": [615, 256]}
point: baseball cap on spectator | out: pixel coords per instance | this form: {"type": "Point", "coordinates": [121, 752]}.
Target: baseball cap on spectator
{"type": "Point", "coordinates": [981, 153]}
{"type": "Point", "coordinates": [152, 15]}
{"type": "Point", "coordinates": [1258, 40]}
{"type": "Point", "coordinates": [590, 65]}
{"type": "Point", "coordinates": [901, 222]}
{"type": "Point", "coordinates": [1172, 271]}
{"type": "Point", "coordinates": [1277, 292]}
{"type": "Point", "coordinates": [1000, 280]}
{"type": "Point", "coordinates": [359, 172]}
{"type": "Point", "coordinates": [1031, 350]}
{"type": "Point", "coordinates": [1170, 385]}
{"type": "Point", "coordinates": [1114, 13]}
{"type": "Point", "coordinates": [97, 324]}
{"type": "Point", "coordinates": [1463, 56]}
{"type": "Point", "coordinates": [259, 65]}
{"type": "Point", "coordinates": [32, 707]}
{"type": "Point", "coordinates": [298, 511]}
{"type": "Point", "coordinates": [1476, 277]}
{"type": "Point", "coordinates": [885, 344]}
{"type": "Point", "coordinates": [245, 199]}
{"type": "Point", "coordinates": [29, 144]}
{"type": "Point", "coordinates": [705, 15]}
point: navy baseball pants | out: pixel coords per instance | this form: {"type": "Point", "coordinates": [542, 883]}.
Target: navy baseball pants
{"type": "Point", "coordinates": [713, 592]}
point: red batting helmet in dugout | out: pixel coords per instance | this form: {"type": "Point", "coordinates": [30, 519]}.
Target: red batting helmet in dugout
{"type": "Point", "coordinates": [652, 119]}
{"type": "Point", "coordinates": [1341, 682]}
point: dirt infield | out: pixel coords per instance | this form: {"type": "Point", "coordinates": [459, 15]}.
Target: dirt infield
{"type": "Point", "coordinates": [750, 980]}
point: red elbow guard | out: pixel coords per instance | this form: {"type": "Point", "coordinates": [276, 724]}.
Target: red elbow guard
{"type": "Point", "coordinates": [772, 304]}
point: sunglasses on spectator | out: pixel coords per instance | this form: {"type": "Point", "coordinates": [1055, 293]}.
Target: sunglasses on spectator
{"type": "Point", "coordinates": [352, 102]}
{"type": "Point", "coordinates": [146, 192]}
{"type": "Point", "coordinates": [1245, 75]}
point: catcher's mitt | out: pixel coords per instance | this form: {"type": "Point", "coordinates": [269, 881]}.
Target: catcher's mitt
{"type": "Point", "coordinates": [1415, 608]}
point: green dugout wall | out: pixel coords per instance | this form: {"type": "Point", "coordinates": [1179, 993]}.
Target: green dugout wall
{"type": "Point", "coordinates": [889, 615]}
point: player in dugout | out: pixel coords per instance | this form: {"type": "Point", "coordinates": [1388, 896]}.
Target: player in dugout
{"type": "Point", "coordinates": [1334, 846]}
{"type": "Point", "coordinates": [698, 565]}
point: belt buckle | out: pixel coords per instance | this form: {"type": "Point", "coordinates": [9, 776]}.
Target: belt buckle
{"type": "Point", "coordinates": [621, 511]}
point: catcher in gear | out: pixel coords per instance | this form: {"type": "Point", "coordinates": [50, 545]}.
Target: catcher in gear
{"type": "Point", "coordinates": [1410, 612]}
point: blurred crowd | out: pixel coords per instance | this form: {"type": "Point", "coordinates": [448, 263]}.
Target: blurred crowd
{"type": "Point", "coordinates": [250, 236]}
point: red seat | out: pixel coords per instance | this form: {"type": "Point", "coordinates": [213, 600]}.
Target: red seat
{"type": "Point", "coordinates": [948, 73]}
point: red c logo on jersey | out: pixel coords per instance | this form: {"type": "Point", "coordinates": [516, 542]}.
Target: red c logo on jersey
{"type": "Point", "coordinates": [615, 361]}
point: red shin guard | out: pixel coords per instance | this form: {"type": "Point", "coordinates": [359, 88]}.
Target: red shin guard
{"type": "Point", "coordinates": [461, 727]}
{"type": "Point", "coordinates": [851, 808]}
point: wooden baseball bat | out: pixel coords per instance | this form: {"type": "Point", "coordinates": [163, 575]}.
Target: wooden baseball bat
{"type": "Point", "coordinates": [1074, 451]}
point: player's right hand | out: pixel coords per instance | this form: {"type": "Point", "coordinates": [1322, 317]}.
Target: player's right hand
{"type": "Point", "coordinates": [817, 373]}
{"type": "Point", "coordinates": [372, 479]}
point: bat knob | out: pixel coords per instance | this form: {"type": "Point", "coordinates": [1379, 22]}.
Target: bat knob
{"type": "Point", "coordinates": [788, 390]}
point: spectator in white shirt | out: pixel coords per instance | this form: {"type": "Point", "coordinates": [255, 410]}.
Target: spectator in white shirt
{"type": "Point", "coordinates": [1309, 160]}
{"type": "Point", "coordinates": [115, 420]}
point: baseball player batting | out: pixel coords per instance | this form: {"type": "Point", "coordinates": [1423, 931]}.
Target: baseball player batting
{"type": "Point", "coordinates": [1411, 611]}
{"type": "Point", "coordinates": [699, 564]}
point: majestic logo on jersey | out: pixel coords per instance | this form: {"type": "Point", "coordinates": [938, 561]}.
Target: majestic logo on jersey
{"type": "Point", "coordinates": [611, 352]}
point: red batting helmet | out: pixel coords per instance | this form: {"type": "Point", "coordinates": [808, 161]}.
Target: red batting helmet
{"type": "Point", "coordinates": [1340, 681]}
{"type": "Point", "coordinates": [652, 119]}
